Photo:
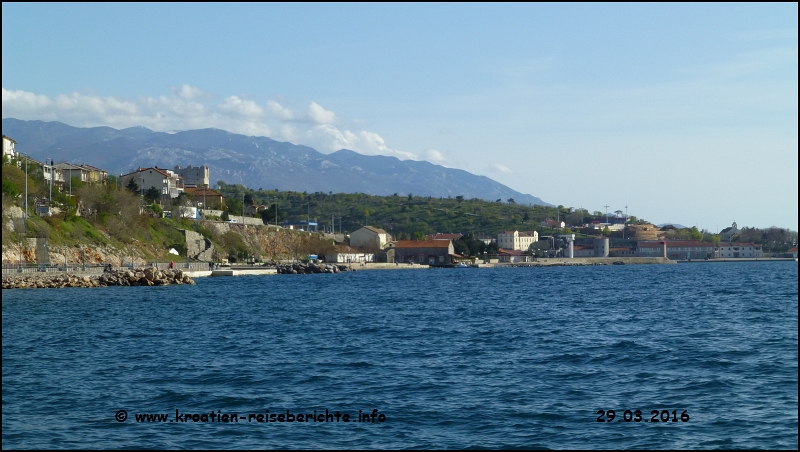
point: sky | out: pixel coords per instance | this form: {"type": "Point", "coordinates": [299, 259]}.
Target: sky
{"type": "Point", "coordinates": [684, 113]}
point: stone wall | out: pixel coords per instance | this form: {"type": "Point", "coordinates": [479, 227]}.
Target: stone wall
{"type": "Point", "coordinates": [197, 246]}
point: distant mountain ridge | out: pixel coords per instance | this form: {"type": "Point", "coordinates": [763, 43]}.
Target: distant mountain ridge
{"type": "Point", "coordinates": [258, 162]}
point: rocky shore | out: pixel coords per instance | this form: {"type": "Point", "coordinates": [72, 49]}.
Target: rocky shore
{"type": "Point", "coordinates": [136, 277]}
{"type": "Point", "coordinates": [311, 268]}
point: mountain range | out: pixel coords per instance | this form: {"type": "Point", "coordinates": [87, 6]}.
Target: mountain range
{"type": "Point", "coordinates": [257, 162]}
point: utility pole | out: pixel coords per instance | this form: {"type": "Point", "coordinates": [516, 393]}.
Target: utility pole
{"type": "Point", "coordinates": [50, 201]}
{"type": "Point", "coordinates": [25, 223]}
{"type": "Point", "coordinates": [625, 223]}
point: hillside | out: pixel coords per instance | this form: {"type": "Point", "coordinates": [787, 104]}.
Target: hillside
{"type": "Point", "coordinates": [252, 161]}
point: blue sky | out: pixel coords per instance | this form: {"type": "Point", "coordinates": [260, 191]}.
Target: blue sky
{"type": "Point", "coordinates": [686, 113]}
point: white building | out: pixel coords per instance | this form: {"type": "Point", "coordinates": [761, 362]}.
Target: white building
{"type": "Point", "coordinates": [52, 174]}
{"type": "Point", "coordinates": [8, 148]}
{"type": "Point", "coordinates": [369, 238]}
{"type": "Point", "coordinates": [738, 250]}
{"type": "Point", "coordinates": [167, 182]}
{"type": "Point", "coordinates": [610, 226]}
{"type": "Point", "coordinates": [517, 240]}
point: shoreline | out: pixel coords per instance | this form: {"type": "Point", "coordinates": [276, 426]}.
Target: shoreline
{"type": "Point", "coordinates": [83, 276]}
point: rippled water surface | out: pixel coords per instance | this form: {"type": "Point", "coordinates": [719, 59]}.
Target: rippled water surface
{"type": "Point", "coordinates": [454, 358]}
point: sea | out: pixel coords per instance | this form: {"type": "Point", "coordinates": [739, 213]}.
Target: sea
{"type": "Point", "coordinates": [698, 355]}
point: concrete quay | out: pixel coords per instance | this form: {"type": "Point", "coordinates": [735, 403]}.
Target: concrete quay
{"type": "Point", "coordinates": [738, 259]}
{"type": "Point", "coordinates": [581, 261]}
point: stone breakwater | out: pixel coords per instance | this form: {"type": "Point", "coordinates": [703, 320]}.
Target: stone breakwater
{"type": "Point", "coordinates": [307, 269]}
{"type": "Point", "coordinates": [136, 277]}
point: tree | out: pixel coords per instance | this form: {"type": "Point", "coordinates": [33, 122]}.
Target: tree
{"type": "Point", "coordinates": [234, 206]}
{"type": "Point", "coordinates": [268, 215]}
{"type": "Point", "coordinates": [131, 185]}
{"type": "Point", "coordinates": [9, 189]}
{"type": "Point", "coordinates": [152, 194]}
{"type": "Point", "coordinates": [417, 236]}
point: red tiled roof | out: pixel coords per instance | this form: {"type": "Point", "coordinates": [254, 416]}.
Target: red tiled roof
{"type": "Point", "coordinates": [374, 229]}
{"type": "Point", "coordinates": [455, 236]}
{"type": "Point", "coordinates": [200, 191]}
{"type": "Point", "coordinates": [423, 244]}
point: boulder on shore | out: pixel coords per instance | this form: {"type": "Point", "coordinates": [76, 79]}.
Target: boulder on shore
{"type": "Point", "coordinates": [136, 277]}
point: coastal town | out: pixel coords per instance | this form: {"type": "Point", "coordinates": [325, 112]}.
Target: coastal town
{"type": "Point", "coordinates": [184, 194]}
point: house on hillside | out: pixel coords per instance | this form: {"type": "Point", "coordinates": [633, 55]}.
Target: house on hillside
{"type": "Point", "coordinates": [726, 235]}
{"type": "Point", "coordinates": [72, 171]}
{"type": "Point", "coordinates": [430, 252]}
{"type": "Point", "coordinates": [51, 173]}
{"type": "Point", "coordinates": [205, 197]}
{"type": "Point", "coordinates": [8, 148]}
{"type": "Point", "coordinates": [95, 175]}
{"type": "Point", "coordinates": [369, 238]}
{"type": "Point", "coordinates": [165, 181]}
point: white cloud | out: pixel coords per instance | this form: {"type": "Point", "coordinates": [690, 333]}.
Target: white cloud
{"type": "Point", "coordinates": [240, 107]}
{"type": "Point", "coordinates": [279, 111]}
{"type": "Point", "coordinates": [187, 92]}
{"type": "Point", "coordinates": [330, 138]}
{"type": "Point", "coordinates": [433, 155]}
{"type": "Point", "coordinates": [498, 168]}
{"type": "Point", "coordinates": [319, 115]}
{"type": "Point", "coordinates": [189, 108]}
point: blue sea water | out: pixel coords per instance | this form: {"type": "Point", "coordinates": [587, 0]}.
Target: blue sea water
{"type": "Point", "coordinates": [454, 358]}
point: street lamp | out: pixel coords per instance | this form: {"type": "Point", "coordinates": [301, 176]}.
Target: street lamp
{"type": "Point", "coordinates": [46, 257]}
{"type": "Point", "coordinates": [50, 201]}
{"type": "Point", "coordinates": [26, 192]}
{"type": "Point", "coordinates": [20, 255]}
{"type": "Point", "coordinates": [65, 257]}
